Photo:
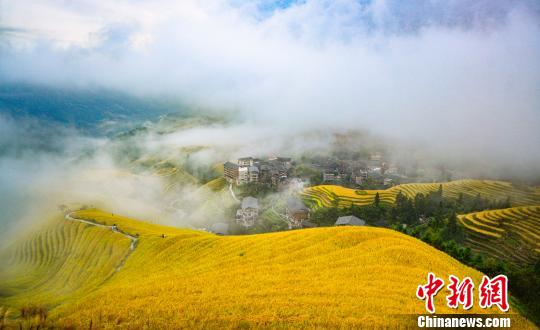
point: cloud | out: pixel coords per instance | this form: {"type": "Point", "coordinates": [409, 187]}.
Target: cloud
{"type": "Point", "coordinates": [44, 165]}
{"type": "Point", "coordinates": [460, 76]}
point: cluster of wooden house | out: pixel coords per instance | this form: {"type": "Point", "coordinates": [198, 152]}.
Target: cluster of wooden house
{"type": "Point", "coordinates": [359, 172]}
{"type": "Point", "coordinates": [296, 213]}
{"type": "Point", "coordinates": [276, 171]}
{"type": "Point", "coordinates": [297, 218]}
{"type": "Point", "coordinates": [273, 170]}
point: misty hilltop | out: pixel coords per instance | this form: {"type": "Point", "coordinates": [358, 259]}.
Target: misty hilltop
{"type": "Point", "coordinates": [94, 110]}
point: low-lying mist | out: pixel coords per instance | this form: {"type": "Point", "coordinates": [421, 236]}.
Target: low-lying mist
{"type": "Point", "coordinates": [44, 165]}
{"type": "Point", "coordinates": [436, 85]}
{"type": "Point", "coordinates": [459, 77]}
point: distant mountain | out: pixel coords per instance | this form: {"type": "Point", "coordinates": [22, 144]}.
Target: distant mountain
{"type": "Point", "coordinates": [92, 110]}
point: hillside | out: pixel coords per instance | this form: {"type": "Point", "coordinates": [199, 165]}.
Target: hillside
{"type": "Point", "coordinates": [323, 277]}
{"type": "Point", "coordinates": [91, 110]}
{"type": "Point", "coordinates": [511, 234]}
{"type": "Point", "coordinates": [216, 184]}
{"type": "Point", "coordinates": [325, 195]}
{"type": "Point", "coordinates": [63, 260]}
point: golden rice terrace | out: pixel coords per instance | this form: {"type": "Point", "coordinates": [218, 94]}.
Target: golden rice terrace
{"type": "Point", "coordinates": [511, 234]}
{"type": "Point", "coordinates": [328, 195]}
{"type": "Point", "coordinates": [314, 278]}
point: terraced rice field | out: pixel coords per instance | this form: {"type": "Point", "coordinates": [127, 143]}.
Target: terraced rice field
{"type": "Point", "coordinates": [325, 195]}
{"type": "Point", "coordinates": [174, 175]}
{"type": "Point", "coordinates": [511, 234]}
{"type": "Point", "coordinates": [338, 277]}
{"type": "Point", "coordinates": [216, 184]}
{"type": "Point", "coordinates": [63, 260]}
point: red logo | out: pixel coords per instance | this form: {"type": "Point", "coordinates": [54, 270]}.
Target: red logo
{"type": "Point", "coordinates": [429, 291]}
{"type": "Point", "coordinates": [494, 292]}
{"type": "Point", "coordinates": [460, 292]}
{"type": "Point", "coordinates": [490, 292]}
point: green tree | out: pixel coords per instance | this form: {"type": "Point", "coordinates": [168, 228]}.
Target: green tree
{"type": "Point", "coordinates": [452, 225]}
{"type": "Point", "coordinates": [460, 199]}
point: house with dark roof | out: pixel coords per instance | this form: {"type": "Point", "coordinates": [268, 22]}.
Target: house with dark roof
{"type": "Point", "coordinates": [230, 171]}
{"type": "Point", "coordinates": [248, 212]}
{"type": "Point", "coordinates": [253, 174]}
{"type": "Point", "coordinates": [296, 212]}
{"type": "Point", "coordinates": [350, 220]}
{"type": "Point", "coordinates": [245, 161]}
{"type": "Point", "coordinates": [247, 173]}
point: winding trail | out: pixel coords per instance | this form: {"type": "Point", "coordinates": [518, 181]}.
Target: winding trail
{"type": "Point", "coordinates": [114, 229]}
{"type": "Point", "coordinates": [232, 193]}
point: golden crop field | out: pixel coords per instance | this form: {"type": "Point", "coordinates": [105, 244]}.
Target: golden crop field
{"type": "Point", "coordinates": [174, 174]}
{"type": "Point", "coordinates": [511, 234]}
{"type": "Point", "coordinates": [324, 195]}
{"type": "Point", "coordinates": [339, 277]}
{"type": "Point", "coordinates": [216, 184]}
{"type": "Point", "coordinates": [62, 260]}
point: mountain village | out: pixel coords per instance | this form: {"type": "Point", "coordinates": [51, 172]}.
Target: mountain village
{"type": "Point", "coordinates": [281, 175]}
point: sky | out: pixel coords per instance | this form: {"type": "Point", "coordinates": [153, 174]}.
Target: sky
{"type": "Point", "coordinates": [458, 79]}
{"type": "Point", "coordinates": [461, 76]}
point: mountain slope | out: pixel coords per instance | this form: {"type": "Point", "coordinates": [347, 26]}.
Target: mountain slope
{"type": "Point", "coordinates": [325, 195]}
{"type": "Point", "coordinates": [323, 277]}
{"type": "Point", "coordinates": [87, 109]}
{"type": "Point", "coordinates": [511, 234]}
{"type": "Point", "coordinates": [63, 260]}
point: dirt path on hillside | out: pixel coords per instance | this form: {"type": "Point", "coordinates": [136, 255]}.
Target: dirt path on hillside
{"type": "Point", "coordinates": [114, 229]}
{"type": "Point", "coordinates": [232, 193]}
